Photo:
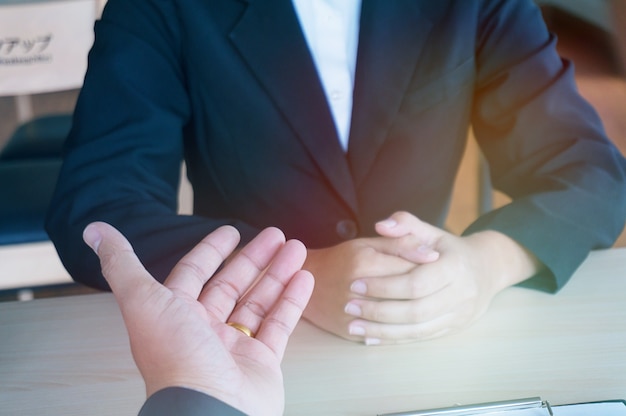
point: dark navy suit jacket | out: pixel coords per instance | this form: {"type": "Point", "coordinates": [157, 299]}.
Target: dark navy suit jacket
{"type": "Point", "coordinates": [179, 401]}
{"type": "Point", "coordinates": [230, 86]}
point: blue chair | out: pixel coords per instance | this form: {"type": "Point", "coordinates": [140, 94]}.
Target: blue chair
{"type": "Point", "coordinates": [29, 167]}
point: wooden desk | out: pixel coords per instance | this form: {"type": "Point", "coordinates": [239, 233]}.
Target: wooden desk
{"type": "Point", "coordinates": [70, 356]}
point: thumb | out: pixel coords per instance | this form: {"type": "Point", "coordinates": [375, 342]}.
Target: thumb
{"type": "Point", "coordinates": [120, 266]}
{"type": "Point", "coordinates": [415, 239]}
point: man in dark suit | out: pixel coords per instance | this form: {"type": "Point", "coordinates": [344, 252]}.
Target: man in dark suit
{"type": "Point", "coordinates": [325, 117]}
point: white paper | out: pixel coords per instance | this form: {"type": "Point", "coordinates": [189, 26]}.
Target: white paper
{"type": "Point", "coordinates": [584, 409]}
{"type": "Point", "coordinates": [591, 409]}
{"type": "Point", "coordinates": [524, 412]}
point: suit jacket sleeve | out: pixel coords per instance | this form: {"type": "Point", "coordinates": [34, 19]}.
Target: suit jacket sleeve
{"type": "Point", "coordinates": [185, 402]}
{"type": "Point", "coordinates": [122, 157]}
{"type": "Point", "coordinates": [545, 145]}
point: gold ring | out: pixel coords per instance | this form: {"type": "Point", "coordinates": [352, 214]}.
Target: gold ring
{"type": "Point", "coordinates": [242, 328]}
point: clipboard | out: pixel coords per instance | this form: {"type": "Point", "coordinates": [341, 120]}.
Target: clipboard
{"type": "Point", "coordinates": [532, 406]}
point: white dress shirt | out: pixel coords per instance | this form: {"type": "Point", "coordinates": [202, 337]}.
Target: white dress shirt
{"type": "Point", "coordinates": [331, 29]}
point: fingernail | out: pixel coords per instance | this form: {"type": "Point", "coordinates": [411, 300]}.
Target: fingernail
{"type": "Point", "coordinates": [92, 237]}
{"type": "Point", "coordinates": [352, 309]}
{"type": "Point", "coordinates": [356, 330]}
{"type": "Point", "coordinates": [372, 341]}
{"type": "Point", "coordinates": [429, 252]}
{"type": "Point", "coordinates": [359, 287]}
{"type": "Point", "coordinates": [388, 223]}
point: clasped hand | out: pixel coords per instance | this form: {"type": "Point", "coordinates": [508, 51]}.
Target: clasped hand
{"type": "Point", "coordinates": [414, 282]}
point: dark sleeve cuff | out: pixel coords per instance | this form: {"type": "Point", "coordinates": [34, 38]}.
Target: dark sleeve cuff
{"type": "Point", "coordinates": [185, 402]}
{"type": "Point", "coordinates": [558, 262]}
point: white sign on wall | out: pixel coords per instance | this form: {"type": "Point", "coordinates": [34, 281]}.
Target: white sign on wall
{"type": "Point", "coordinates": [44, 45]}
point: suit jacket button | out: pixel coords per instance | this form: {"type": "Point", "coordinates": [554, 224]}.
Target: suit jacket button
{"type": "Point", "coordinates": [347, 229]}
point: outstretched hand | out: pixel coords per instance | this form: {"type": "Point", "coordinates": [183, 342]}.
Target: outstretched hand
{"type": "Point", "coordinates": [178, 330]}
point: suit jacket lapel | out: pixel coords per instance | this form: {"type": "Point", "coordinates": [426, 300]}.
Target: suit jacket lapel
{"type": "Point", "coordinates": [269, 38]}
{"type": "Point", "coordinates": [392, 34]}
